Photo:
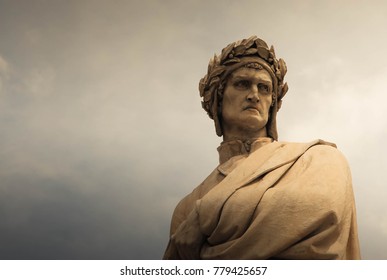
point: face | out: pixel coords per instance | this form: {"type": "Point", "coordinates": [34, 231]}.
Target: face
{"type": "Point", "coordinates": [246, 103]}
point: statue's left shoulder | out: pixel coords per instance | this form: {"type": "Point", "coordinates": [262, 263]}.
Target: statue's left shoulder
{"type": "Point", "coordinates": [326, 153]}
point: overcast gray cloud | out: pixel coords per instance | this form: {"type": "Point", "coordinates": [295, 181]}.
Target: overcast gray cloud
{"type": "Point", "coordinates": [102, 131]}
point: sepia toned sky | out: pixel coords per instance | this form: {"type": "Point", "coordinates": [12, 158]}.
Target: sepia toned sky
{"type": "Point", "coordinates": [102, 130]}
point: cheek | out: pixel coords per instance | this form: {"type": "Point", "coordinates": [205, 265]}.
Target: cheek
{"type": "Point", "coordinates": [228, 96]}
{"type": "Point", "coordinates": [228, 101]}
{"type": "Point", "coordinates": [226, 107]}
{"type": "Point", "coordinates": [266, 101]}
{"type": "Point", "coordinates": [230, 106]}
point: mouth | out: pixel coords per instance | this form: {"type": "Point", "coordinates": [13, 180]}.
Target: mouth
{"type": "Point", "coordinates": [251, 108]}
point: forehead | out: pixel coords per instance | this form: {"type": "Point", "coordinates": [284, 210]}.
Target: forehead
{"type": "Point", "coordinates": [251, 73]}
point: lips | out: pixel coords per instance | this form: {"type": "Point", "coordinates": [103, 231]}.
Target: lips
{"type": "Point", "coordinates": [251, 108]}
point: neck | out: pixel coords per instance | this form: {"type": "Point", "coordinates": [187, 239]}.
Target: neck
{"type": "Point", "coordinates": [243, 135]}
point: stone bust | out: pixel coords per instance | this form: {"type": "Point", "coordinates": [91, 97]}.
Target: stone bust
{"type": "Point", "coordinates": [266, 199]}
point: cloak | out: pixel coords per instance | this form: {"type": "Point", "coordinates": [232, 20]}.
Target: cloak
{"type": "Point", "coordinates": [269, 200]}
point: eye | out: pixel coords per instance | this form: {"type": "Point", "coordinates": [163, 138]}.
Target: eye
{"type": "Point", "coordinates": [242, 84]}
{"type": "Point", "coordinates": [263, 87]}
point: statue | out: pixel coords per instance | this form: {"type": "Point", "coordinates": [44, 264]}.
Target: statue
{"type": "Point", "coordinates": [266, 199]}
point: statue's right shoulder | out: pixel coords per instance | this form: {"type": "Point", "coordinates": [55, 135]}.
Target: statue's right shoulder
{"type": "Point", "coordinates": [185, 206]}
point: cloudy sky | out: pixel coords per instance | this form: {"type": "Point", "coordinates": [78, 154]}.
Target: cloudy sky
{"type": "Point", "coordinates": [102, 131]}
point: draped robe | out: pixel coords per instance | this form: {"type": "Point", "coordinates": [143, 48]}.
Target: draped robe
{"type": "Point", "coordinates": [271, 200]}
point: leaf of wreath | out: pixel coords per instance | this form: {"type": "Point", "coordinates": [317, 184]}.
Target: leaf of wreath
{"type": "Point", "coordinates": [230, 61]}
{"type": "Point", "coordinates": [285, 89]}
{"type": "Point", "coordinates": [263, 52]}
{"type": "Point", "coordinates": [202, 85]}
{"type": "Point", "coordinates": [239, 50]}
{"type": "Point", "coordinates": [260, 42]}
{"type": "Point", "coordinates": [250, 41]}
{"type": "Point", "coordinates": [272, 51]}
{"type": "Point", "coordinates": [217, 71]}
{"type": "Point", "coordinates": [226, 51]}
{"type": "Point", "coordinates": [282, 66]}
{"type": "Point", "coordinates": [207, 96]}
{"type": "Point", "coordinates": [251, 51]}
{"type": "Point", "coordinates": [278, 75]}
{"type": "Point", "coordinates": [214, 80]}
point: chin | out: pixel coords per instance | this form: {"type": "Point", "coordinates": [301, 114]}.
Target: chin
{"type": "Point", "coordinates": [255, 123]}
{"type": "Point", "coordinates": [253, 127]}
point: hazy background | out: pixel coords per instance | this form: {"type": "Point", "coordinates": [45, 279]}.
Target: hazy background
{"type": "Point", "coordinates": [102, 131]}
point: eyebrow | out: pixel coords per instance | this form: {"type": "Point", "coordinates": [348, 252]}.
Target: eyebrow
{"type": "Point", "coordinates": [248, 77]}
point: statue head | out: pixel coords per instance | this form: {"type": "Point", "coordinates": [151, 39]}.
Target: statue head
{"type": "Point", "coordinates": [253, 57]}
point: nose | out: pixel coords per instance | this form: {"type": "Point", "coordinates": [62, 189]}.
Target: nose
{"type": "Point", "coordinates": [253, 96]}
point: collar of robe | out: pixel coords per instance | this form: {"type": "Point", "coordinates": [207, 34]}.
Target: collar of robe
{"type": "Point", "coordinates": [231, 153]}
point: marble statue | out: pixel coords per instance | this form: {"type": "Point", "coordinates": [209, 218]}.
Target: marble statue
{"type": "Point", "coordinates": [266, 199]}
